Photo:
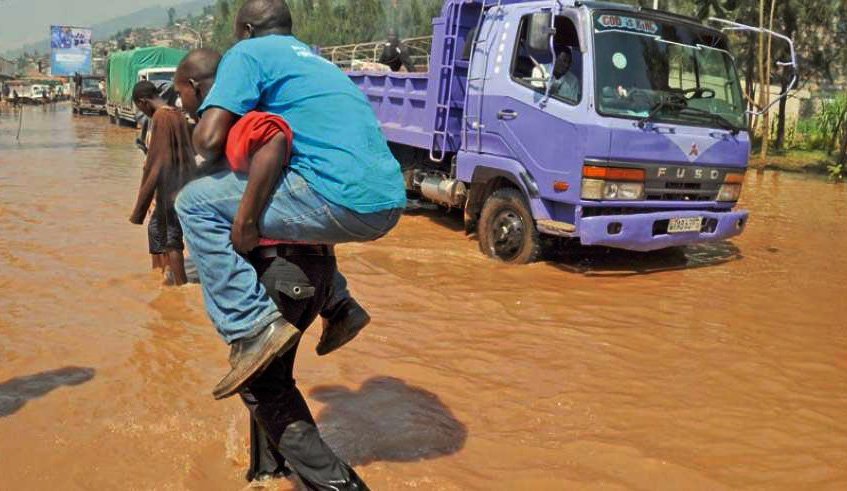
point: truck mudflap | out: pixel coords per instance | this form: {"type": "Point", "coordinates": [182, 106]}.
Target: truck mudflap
{"type": "Point", "coordinates": [649, 231]}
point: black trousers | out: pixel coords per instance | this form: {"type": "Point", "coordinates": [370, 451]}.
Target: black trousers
{"type": "Point", "coordinates": [282, 428]}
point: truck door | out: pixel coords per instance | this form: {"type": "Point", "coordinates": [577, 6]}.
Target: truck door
{"type": "Point", "coordinates": [545, 138]}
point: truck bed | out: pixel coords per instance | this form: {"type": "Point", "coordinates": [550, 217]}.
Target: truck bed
{"type": "Point", "coordinates": [403, 104]}
{"type": "Point", "coordinates": [399, 102]}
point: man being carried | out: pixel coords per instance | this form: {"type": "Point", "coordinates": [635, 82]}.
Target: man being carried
{"type": "Point", "coordinates": [169, 165]}
{"type": "Point", "coordinates": [343, 184]}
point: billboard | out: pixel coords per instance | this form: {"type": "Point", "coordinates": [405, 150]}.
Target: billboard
{"type": "Point", "coordinates": [70, 50]}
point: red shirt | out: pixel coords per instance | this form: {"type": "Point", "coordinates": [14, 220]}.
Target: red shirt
{"type": "Point", "coordinates": [250, 133]}
{"type": "Point", "coordinates": [247, 136]}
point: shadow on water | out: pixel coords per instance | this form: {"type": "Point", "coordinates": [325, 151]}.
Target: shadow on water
{"type": "Point", "coordinates": [603, 261]}
{"type": "Point", "coordinates": [387, 420]}
{"type": "Point", "coordinates": [16, 392]}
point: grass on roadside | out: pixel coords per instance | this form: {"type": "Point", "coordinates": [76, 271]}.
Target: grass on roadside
{"type": "Point", "coordinates": [807, 161]}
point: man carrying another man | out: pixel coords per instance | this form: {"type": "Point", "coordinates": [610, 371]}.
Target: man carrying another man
{"type": "Point", "coordinates": [299, 280]}
{"type": "Point", "coordinates": [342, 185]}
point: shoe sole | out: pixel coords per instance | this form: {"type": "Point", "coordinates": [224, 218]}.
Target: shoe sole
{"type": "Point", "coordinates": [280, 345]}
{"type": "Point", "coordinates": [323, 350]}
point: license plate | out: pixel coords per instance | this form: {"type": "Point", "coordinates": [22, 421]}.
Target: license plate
{"type": "Point", "coordinates": [681, 225]}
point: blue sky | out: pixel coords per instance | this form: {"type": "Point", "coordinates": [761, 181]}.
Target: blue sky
{"type": "Point", "coordinates": [27, 21]}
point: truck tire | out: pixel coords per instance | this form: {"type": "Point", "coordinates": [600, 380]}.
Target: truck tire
{"type": "Point", "coordinates": [506, 229]}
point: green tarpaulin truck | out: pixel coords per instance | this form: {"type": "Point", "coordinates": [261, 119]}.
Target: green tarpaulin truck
{"type": "Point", "coordinates": [125, 68]}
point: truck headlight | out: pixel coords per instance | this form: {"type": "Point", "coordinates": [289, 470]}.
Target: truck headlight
{"type": "Point", "coordinates": [593, 189]}
{"type": "Point", "coordinates": [623, 191]}
{"type": "Point", "coordinates": [729, 192]}
{"type": "Point", "coordinates": [612, 183]}
{"type": "Point", "coordinates": [596, 189]}
{"type": "Point", "coordinates": [731, 188]}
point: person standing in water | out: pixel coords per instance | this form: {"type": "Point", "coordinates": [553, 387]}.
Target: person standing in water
{"type": "Point", "coordinates": [170, 164]}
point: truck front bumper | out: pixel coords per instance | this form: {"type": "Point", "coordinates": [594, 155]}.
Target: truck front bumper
{"type": "Point", "coordinates": [85, 106]}
{"type": "Point", "coordinates": [648, 232]}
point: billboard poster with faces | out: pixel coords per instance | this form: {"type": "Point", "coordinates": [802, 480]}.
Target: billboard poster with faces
{"type": "Point", "coordinates": [70, 50]}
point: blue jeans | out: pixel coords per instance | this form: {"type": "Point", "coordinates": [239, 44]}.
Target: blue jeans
{"type": "Point", "coordinates": [237, 303]}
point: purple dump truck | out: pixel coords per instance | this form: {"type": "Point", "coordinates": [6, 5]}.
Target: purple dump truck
{"type": "Point", "coordinates": [639, 143]}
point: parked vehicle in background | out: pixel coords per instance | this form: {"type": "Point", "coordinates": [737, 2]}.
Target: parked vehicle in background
{"type": "Point", "coordinates": [605, 123]}
{"type": "Point", "coordinates": [23, 90]}
{"type": "Point", "coordinates": [157, 75]}
{"type": "Point", "coordinates": [125, 68]}
{"type": "Point", "coordinates": [87, 95]}
{"type": "Point", "coordinates": [39, 93]}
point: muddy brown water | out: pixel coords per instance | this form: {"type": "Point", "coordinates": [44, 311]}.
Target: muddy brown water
{"type": "Point", "coordinates": [721, 366]}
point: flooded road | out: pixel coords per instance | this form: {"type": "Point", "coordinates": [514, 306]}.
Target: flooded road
{"type": "Point", "coordinates": [719, 367]}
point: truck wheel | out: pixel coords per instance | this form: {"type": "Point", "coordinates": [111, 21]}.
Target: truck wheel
{"type": "Point", "coordinates": [506, 228]}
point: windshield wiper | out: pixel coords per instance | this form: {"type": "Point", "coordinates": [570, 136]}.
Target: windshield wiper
{"type": "Point", "coordinates": [669, 102]}
{"type": "Point", "coordinates": [717, 118]}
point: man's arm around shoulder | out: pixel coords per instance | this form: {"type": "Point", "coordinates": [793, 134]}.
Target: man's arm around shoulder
{"type": "Point", "coordinates": [265, 170]}
{"type": "Point", "coordinates": [211, 133]}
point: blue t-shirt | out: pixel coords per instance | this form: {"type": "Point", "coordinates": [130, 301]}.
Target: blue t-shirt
{"type": "Point", "coordinates": [338, 147]}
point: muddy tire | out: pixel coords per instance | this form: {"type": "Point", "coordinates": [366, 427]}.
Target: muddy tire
{"type": "Point", "coordinates": [506, 229]}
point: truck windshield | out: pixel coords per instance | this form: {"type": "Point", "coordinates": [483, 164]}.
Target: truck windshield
{"type": "Point", "coordinates": [90, 85]}
{"type": "Point", "coordinates": [642, 62]}
{"type": "Point", "coordinates": [160, 76]}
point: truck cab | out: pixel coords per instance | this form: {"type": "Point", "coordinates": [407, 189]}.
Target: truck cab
{"type": "Point", "coordinates": [165, 74]}
{"type": "Point", "coordinates": [87, 94]}
{"type": "Point", "coordinates": [614, 125]}
{"type": "Point", "coordinates": [648, 150]}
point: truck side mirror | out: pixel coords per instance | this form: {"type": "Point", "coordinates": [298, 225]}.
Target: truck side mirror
{"type": "Point", "coordinates": [539, 31]}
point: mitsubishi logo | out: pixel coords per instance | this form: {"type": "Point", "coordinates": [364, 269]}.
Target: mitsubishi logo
{"type": "Point", "coordinates": [695, 152]}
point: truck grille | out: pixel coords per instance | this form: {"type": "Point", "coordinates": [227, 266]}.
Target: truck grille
{"type": "Point", "coordinates": [680, 191]}
{"type": "Point", "coordinates": [676, 182]}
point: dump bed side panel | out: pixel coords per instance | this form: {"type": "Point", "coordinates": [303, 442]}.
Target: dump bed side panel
{"type": "Point", "coordinates": [399, 101]}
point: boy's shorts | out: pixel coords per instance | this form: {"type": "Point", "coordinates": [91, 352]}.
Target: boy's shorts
{"type": "Point", "coordinates": [164, 231]}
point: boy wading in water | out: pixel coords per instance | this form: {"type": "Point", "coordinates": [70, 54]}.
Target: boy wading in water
{"type": "Point", "coordinates": [169, 165]}
{"type": "Point", "coordinates": [342, 184]}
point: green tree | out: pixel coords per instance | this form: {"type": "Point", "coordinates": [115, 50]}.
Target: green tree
{"type": "Point", "coordinates": [222, 35]}
{"type": "Point", "coordinates": [414, 19]}
{"type": "Point", "coordinates": [714, 8]}
{"type": "Point", "coordinates": [171, 16]}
